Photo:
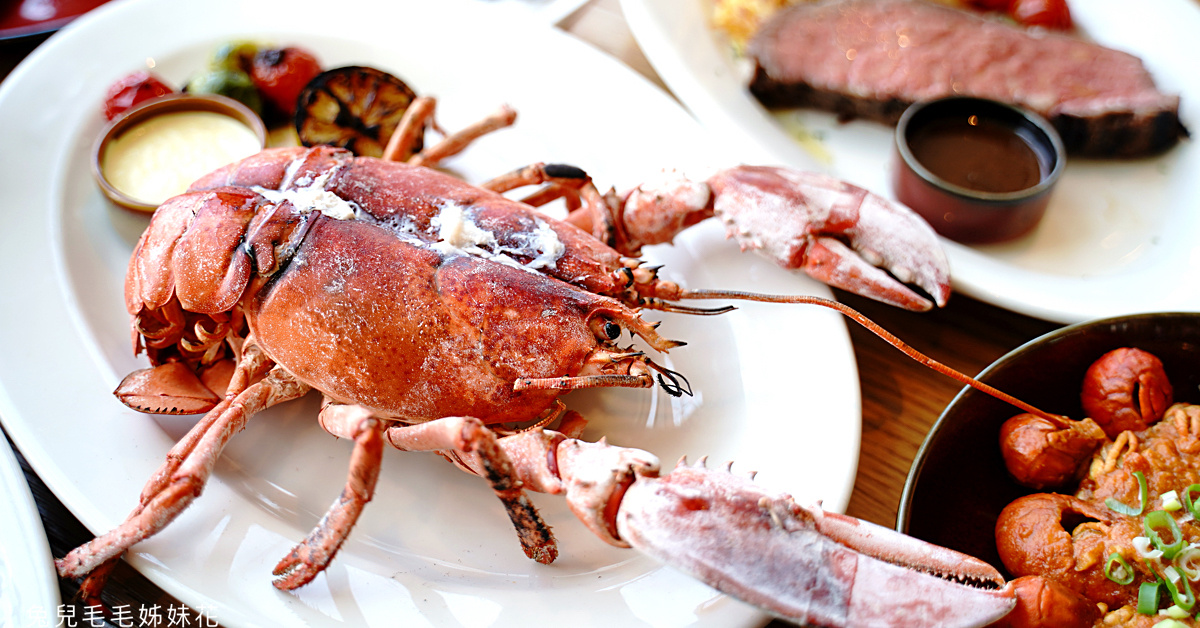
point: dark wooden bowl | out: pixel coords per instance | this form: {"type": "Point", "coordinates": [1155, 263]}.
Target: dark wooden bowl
{"type": "Point", "coordinates": [958, 484]}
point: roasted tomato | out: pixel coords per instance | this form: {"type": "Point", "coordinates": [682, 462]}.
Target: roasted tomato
{"type": "Point", "coordinates": [1052, 14]}
{"type": "Point", "coordinates": [280, 74]}
{"type": "Point", "coordinates": [131, 90]}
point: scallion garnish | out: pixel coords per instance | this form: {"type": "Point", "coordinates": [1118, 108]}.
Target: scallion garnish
{"type": "Point", "coordinates": [1143, 497]}
{"type": "Point", "coordinates": [1117, 570]}
{"type": "Point", "coordinates": [1148, 594]}
{"type": "Point", "coordinates": [1158, 520]}
{"type": "Point", "coordinates": [1180, 590]}
{"type": "Point", "coordinates": [1174, 612]}
{"type": "Point", "coordinates": [1188, 562]}
{"type": "Point", "coordinates": [1192, 506]}
{"type": "Point", "coordinates": [1145, 548]}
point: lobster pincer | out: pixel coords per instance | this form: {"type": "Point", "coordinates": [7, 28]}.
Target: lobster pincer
{"type": "Point", "coordinates": [836, 232]}
{"type": "Point", "coordinates": [802, 563]}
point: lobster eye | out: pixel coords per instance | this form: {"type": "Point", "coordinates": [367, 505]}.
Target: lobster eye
{"type": "Point", "coordinates": [612, 330]}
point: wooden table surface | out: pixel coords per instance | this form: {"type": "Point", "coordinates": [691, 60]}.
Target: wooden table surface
{"type": "Point", "coordinates": [900, 399]}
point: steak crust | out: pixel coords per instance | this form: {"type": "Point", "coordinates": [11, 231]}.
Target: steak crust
{"type": "Point", "coordinates": [873, 58]}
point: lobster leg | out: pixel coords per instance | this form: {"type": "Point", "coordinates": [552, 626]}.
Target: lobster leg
{"type": "Point", "coordinates": [470, 444]}
{"type": "Point", "coordinates": [409, 132]}
{"type": "Point", "coordinates": [409, 135]}
{"type": "Point", "coordinates": [180, 481]}
{"type": "Point", "coordinates": [458, 141]}
{"type": "Point", "coordinates": [577, 190]}
{"type": "Point", "coordinates": [314, 554]}
{"type": "Point", "coordinates": [252, 367]}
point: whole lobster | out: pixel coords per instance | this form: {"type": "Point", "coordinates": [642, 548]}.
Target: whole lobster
{"type": "Point", "coordinates": [434, 315]}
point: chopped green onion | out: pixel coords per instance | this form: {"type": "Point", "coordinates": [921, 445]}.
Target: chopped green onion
{"type": "Point", "coordinates": [1117, 570]}
{"type": "Point", "coordinates": [1148, 594]}
{"type": "Point", "coordinates": [1170, 501]}
{"type": "Point", "coordinates": [1143, 497]}
{"type": "Point", "coordinates": [1192, 507]}
{"type": "Point", "coordinates": [1174, 612]}
{"type": "Point", "coordinates": [1145, 548]}
{"type": "Point", "coordinates": [1162, 519]}
{"type": "Point", "coordinates": [1181, 594]}
{"type": "Point", "coordinates": [1188, 561]}
{"type": "Point", "coordinates": [1170, 623]}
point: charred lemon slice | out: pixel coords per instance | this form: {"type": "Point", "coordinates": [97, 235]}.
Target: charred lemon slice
{"type": "Point", "coordinates": [353, 107]}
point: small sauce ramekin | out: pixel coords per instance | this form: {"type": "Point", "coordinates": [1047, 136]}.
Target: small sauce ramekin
{"type": "Point", "coordinates": [140, 118]}
{"type": "Point", "coordinates": [978, 170]}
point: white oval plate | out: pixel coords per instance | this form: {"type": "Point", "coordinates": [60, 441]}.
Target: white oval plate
{"type": "Point", "coordinates": [776, 387]}
{"type": "Point", "coordinates": [28, 584]}
{"type": "Point", "coordinates": [1118, 237]}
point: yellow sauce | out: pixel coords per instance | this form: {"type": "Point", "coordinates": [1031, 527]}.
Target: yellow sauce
{"type": "Point", "coordinates": [162, 156]}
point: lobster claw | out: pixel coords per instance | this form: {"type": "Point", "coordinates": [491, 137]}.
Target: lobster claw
{"type": "Point", "coordinates": [836, 232]}
{"type": "Point", "coordinates": [804, 564]}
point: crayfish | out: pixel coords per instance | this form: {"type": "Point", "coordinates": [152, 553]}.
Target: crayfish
{"type": "Point", "coordinates": [1125, 530]}
{"type": "Point", "coordinates": [434, 315]}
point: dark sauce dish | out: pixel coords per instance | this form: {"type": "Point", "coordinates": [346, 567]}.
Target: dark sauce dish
{"type": "Point", "coordinates": [958, 484]}
{"type": "Point", "coordinates": [978, 170]}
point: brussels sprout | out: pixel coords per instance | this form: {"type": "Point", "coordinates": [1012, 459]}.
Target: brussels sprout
{"type": "Point", "coordinates": [236, 55]}
{"type": "Point", "coordinates": [234, 84]}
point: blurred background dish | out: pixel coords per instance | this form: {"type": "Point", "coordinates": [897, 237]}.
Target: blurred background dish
{"type": "Point", "coordinates": [26, 18]}
{"type": "Point", "coordinates": [1114, 227]}
{"type": "Point", "coordinates": [28, 584]}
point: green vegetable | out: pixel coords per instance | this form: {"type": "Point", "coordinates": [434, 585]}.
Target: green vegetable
{"type": "Point", "coordinates": [1192, 507]}
{"type": "Point", "coordinates": [232, 83]}
{"type": "Point", "coordinates": [236, 55]}
{"type": "Point", "coordinates": [1148, 594]}
{"type": "Point", "coordinates": [1117, 570]}
{"type": "Point", "coordinates": [1188, 562]}
{"type": "Point", "coordinates": [1158, 520]}
{"type": "Point", "coordinates": [1143, 497]}
{"type": "Point", "coordinates": [1181, 591]}
{"type": "Point", "coordinates": [1174, 612]}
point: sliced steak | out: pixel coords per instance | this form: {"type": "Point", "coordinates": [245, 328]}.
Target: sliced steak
{"type": "Point", "coordinates": [873, 58]}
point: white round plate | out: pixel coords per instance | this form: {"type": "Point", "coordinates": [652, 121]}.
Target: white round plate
{"type": "Point", "coordinates": [1118, 237]}
{"type": "Point", "coordinates": [28, 584]}
{"type": "Point", "coordinates": [776, 386]}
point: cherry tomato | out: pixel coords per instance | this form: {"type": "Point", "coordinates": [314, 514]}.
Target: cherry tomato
{"type": "Point", "coordinates": [1052, 14]}
{"type": "Point", "coordinates": [280, 74]}
{"type": "Point", "coordinates": [130, 90]}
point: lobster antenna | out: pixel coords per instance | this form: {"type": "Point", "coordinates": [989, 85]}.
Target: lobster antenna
{"type": "Point", "coordinates": [874, 328]}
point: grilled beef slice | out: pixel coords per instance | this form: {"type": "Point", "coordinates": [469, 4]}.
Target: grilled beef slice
{"type": "Point", "coordinates": [873, 58]}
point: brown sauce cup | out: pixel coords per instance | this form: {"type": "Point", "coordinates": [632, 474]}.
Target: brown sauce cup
{"type": "Point", "coordinates": [979, 171]}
